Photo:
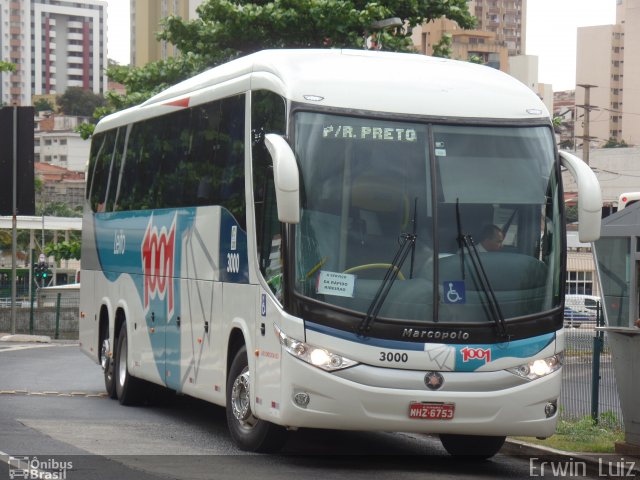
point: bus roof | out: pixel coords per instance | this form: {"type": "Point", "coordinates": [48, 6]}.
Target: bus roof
{"type": "Point", "coordinates": [398, 83]}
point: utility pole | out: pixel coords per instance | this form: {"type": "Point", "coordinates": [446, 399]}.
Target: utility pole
{"type": "Point", "coordinates": [586, 139]}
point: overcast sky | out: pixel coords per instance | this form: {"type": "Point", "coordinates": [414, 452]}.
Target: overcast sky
{"type": "Point", "coordinates": [551, 34]}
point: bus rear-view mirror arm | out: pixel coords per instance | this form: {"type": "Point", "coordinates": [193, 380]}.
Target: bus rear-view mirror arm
{"type": "Point", "coordinates": [286, 178]}
{"type": "Point", "coordinates": [589, 197]}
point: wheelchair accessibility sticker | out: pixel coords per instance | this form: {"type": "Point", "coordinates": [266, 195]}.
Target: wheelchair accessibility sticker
{"type": "Point", "coordinates": [454, 292]}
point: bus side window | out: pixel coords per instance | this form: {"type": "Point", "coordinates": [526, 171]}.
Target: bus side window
{"type": "Point", "coordinates": [268, 116]}
{"type": "Point", "coordinates": [101, 170]}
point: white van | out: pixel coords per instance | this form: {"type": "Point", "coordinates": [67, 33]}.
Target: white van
{"type": "Point", "coordinates": [580, 309]}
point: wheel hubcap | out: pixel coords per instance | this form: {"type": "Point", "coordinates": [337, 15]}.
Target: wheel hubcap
{"type": "Point", "coordinates": [104, 359]}
{"type": "Point", "coordinates": [240, 400]}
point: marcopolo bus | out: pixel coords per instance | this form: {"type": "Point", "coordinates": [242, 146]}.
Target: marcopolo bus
{"type": "Point", "coordinates": [303, 237]}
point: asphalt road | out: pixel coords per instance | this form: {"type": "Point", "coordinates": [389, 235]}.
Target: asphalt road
{"type": "Point", "coordinates": [54, 414]}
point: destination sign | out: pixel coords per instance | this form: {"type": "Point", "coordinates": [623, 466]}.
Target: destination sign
{"type": "Point", "coordinates": [363, 132]}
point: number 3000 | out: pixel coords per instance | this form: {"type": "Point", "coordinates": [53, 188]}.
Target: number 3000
{"type": "Point", "coordinates": [393, 357]}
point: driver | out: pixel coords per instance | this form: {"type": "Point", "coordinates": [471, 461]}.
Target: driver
{"type": "Point", "coordinates": [491, 239]}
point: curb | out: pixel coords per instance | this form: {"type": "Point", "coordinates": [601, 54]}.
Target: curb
{"type": "Point", "coordinates": [25, 338]}
{"type": "Point", "coordinates": [601, 463]}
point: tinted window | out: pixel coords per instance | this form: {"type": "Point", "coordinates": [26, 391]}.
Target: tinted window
{"type": "Point", "coordinates": [187, 158]}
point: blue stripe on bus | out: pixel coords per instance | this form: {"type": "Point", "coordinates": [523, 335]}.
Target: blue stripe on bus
{"type": "Point", "coordinates": [469, 357]}
{"type": "Point", "coordinates": [148, 247]}
{"type": "Point", "coordinates": [374, 342]}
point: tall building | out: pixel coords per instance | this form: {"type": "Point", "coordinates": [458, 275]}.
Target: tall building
{"type": "Point", "coordinates": [608, 67]}
{"type": "Point", "coordinates": [55, 44]}
{"type": "Point", "coordinates": [505, 18]}
{"type": "Point", "coordinates": [145, 23]}
{"type": "Point", "coordinates": [499, 34]}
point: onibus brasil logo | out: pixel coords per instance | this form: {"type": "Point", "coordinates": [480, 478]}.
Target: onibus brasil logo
{"type": "Point", "coordinates": [158, 260]}
{"type": "Point", "coordinates": [35, 468]}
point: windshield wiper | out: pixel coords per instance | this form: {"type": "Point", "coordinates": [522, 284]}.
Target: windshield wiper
{"type": "Point", "coordinates": [466, 242]}
{"type": "Point", "coordinates": [407, 242]}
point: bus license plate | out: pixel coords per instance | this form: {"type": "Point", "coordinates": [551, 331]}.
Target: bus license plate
{"type": "Point", "coordinates": [431, 411]}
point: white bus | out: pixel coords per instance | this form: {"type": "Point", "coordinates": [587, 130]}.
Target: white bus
{"type": "Point", "coordinates": [296, 236]}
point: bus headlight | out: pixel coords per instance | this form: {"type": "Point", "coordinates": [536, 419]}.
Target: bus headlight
{"type": "Point", "coordinates": [538, 368]}
{"type": "Point", "coordinates": [316, 356]}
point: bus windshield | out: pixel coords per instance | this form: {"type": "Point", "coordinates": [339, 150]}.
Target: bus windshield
{"type": "Point", "coordinates": [369, 184]}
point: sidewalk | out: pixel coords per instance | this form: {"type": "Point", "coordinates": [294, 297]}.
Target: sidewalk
{"type": "Point", "coordinates": [601, 464]}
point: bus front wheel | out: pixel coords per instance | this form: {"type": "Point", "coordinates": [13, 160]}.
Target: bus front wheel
{"type": "Point", "coordinates": [477, 447]}
{"type": "Point", "coordinates": [247, 431]}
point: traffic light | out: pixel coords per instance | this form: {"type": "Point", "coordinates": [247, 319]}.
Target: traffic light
{"type": "Point", "coordinates": [37, 271]}
{"type": "Point", "coordinates": [41, 271]}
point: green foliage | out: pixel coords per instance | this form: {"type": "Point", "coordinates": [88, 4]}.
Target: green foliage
{"type": "Point", "coordinates": [58, 209]}
{"type": "Point", "coordinates": [85, 130]}
{"type": "Point", "coordinates": [77, 101]}
{"type": "Point", "coordinates": [5, 239]}
{"type": "Point", "coordinates": [63, 250]}
{"type": "Point", "coordinates": [43, 105]}
{"type": "Point", "coordinates": [7, 67]}
{"type": "Point", "coordinates": [442, 48]}
{"type": "Point", "coordinates": [584, 435]}
{"type": "Point", "coordinates": [613, 143]}
{"type": "Point", "coordinates": [229, 29]}
{"type": "Point", "coordinates": [476, 59]}
{"type": "Point", "coordinates": [571, 213]}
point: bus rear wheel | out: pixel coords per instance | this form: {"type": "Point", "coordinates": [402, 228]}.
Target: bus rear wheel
{"type": "Point", "coordinates": [477, 447]}
{"type": "Point", "coordinates": [128, 389]}
{"type": "Point", "coordinates": [106, 360]}
{"type": "Point", "coordinates": [247, 431]}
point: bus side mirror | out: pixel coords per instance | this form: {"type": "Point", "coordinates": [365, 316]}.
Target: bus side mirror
{"type": "Point", "coordinates": [286, 178]}
{"type": "Point", "coordinates": [589, 197]}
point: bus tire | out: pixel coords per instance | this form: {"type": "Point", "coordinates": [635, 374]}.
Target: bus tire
{"type": "Point", "coordinates": [476, 447]}
{"type": "Point", "coordinates": [128, 388]}
{"type": "Point", "coordinates": [107, 363]}
{"type": "Point", "coordinates": [247, 431]}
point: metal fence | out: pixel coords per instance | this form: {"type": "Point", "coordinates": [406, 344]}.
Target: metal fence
{"type": "Point", "coordinates": [588, 379]}
{"type": "Point", "coordinates": [56, 317]}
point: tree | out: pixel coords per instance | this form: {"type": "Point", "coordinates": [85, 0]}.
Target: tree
{"type": "Point", "coordinates": [613, 143]}
{"type": "Point", "coordinates": [76, 101]}
{"type": "Point", "coordinates": [442, 48]}
{"type": "Point", "coordinates": [7, 67]}
{"type": "Point", "coordinates": [58, 209]}
{"type": "Point", "coordinates": [229, 29]}
{"type": "Point", "coordinates": [42, 105]}
{"type": "Point", "coordinates": [63, 250]}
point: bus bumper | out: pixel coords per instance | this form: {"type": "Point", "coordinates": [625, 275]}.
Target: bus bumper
{"type": "Point", "coordinates": [336, 402]}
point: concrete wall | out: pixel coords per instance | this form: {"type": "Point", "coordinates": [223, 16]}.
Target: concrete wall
{"type": "Point", "coordinates": [44, 321]}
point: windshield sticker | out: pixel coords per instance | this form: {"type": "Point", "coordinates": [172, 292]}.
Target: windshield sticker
{"type": "Point", "coordinates": [454, 292]}
{"type": "Point", "coordinates": [384, 134]}
{"type": "Point", "coordinates": [440, 150]}
{"type": "Point", "coordinates": [334, 283]}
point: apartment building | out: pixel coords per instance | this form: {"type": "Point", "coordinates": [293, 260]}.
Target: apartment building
{"type": "Point", "coordinates": [500, 33]}
{"type": "Point", "coordinates": [145, 23]}
{"type": "Point", "coordinates": [54, 44]}
{"type": "Point", "coordinates": [608, 68]}
{"type": "Point", "coordinates": [57, 143]}
{"type": "Point", "coordinates": [60, 185]}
